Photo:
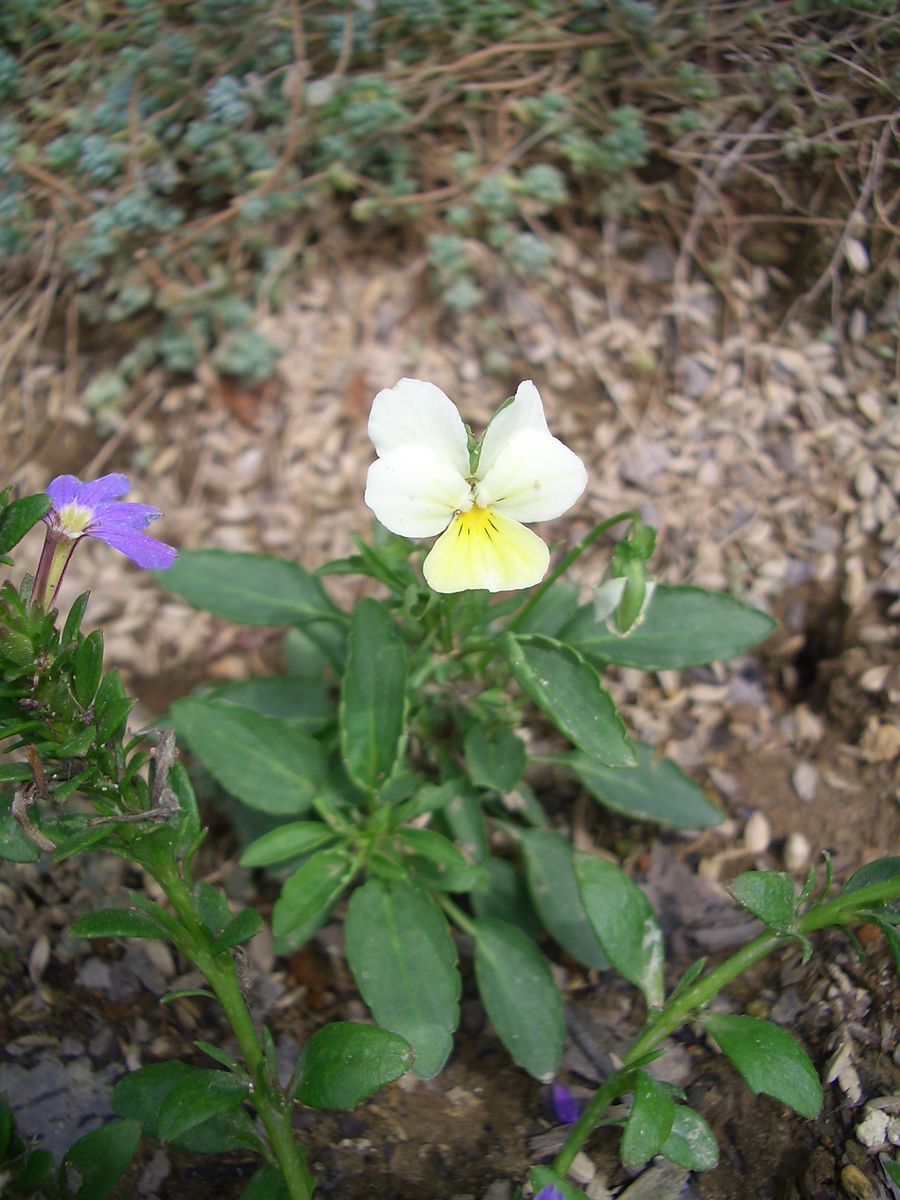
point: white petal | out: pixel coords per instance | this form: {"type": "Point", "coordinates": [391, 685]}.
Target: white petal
{"type": "Point", "coordinates": [414, 493]}
{"type": "Point", "coordinates": [416, 413]}
{"type": "Point", "coordinates": [534, 478]}
{"type": "Point", "coordinates": [483, 549]}
{"type": "Point", "coordinates": [525, 412]}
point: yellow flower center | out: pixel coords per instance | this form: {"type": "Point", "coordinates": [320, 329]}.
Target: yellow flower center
{"type": "Point", "coordinates": [477, 522]}
{"type": "Point", "coordinates": [73, 519]}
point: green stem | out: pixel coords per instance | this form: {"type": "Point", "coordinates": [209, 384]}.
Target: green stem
{"type": "Point", "coordinates": [842, 910]}
{"type": "Point", "coordinates": [272, 1106]}
{"type": "Point", "coordinates": [563, 565]}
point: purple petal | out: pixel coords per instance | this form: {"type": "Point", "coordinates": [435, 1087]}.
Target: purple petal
{"type": "Point", "coordinates": [146, 551]}
{"type": "Point", "coordinates": [107, 487]}
{"type": "Point", "coordinates": [63, 489]}
{"type": "Point", "coordinates": [549, 1193]}
{"type": "Point", "coordinates": [566, 1107]}
{"type": "Point", "coordinates": [122, 514]}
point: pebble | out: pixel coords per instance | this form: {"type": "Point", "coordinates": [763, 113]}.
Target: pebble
{"type": "Point", "coordinates": [805, 780]}
{"type": "Point", "coordinates": [582, 1169]}
{"type": "Point", "coordinates": [757, 833]}
{"type": "Point", "coordinates": [797, 852]}
{"type": "Point", "coordinates": [855, 1184]}
{"type": "Point", "coordinates": [872, 1129]}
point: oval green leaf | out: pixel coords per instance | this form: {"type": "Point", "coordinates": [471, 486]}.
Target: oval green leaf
{"type": "Point", "coordinates": [567, 689]}
{"type": "Point", "coordinates": [683, 627]}
{"type": "Point", "coordinates": [691, 1143]}
{"type": "Point", "coordinates": [268, 763]}
{"type": "Point", "coordinates": [625, 924]}
{"type": "Point", "coordinates": [519, 995]}
{"type": "Point", "coordinates": [769, 1059]}
{"type": "Point", "coordinates": [373, 696]}
{"type": "Point", "coordinates": [300, 701]}
{"type": "Point", "coordinates": [117, 922]}
{"type": "Point", "coordinates": [547, 857]}
{"type": "Point", "coordinates": [437, 862]}
{"type": "Point", "coordinates": [649, 1122]}
{"type": "Point", "coordinates": [495, 758]}
{"type": "Point", "coordinates": [344, 1062]}
{"type": "Point", "coordinates": [252, 589]}
{"type": "Point", "coordinates": [92, 1167]}
{"type": "Point", "coordinates": [404, 961]}
{"type": "Point", "coordinates": [656, 789]}
{"type": "Point", "coordinates": [309, 895]}
{"type": "Point", "coordinates": [202, 1095]}
{"type": "Point", "coordinates": [769, 895]}
{"type": "Point", "coordinates": [287, 841]}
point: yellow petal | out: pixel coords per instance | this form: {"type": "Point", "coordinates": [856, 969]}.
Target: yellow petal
{"type": "Point", "coordinates": [482, 549]}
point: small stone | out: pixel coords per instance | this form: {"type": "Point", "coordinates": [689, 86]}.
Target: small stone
{"type": "Point", "coordinates": [855, 1183]}
{"type": "Point", "coordinates": [872, 1129]}
{"type": "Point", "coordinates": [857, 256]}
{"type": "Point", "coordinates": [757, 833]}
{"type": "Point", "coordinates": [866, 480]}
{"type": "Point", "coordinates": [582, 1169]}
{"type": "Point", "coordinates": [797, 852]}
{"type": "Point", "coordinates": [805, 780]}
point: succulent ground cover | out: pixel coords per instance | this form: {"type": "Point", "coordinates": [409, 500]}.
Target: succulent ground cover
{"type": "Point", "coordinates": [712, 319]}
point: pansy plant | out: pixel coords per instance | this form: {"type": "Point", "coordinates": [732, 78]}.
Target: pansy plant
{"type": "Point", "coordinates": [387, 776]}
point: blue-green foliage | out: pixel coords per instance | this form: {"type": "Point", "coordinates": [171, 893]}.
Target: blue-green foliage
{"type": "Point", "coordinates": [182, 152]}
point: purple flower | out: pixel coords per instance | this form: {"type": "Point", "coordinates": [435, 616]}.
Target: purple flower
{"type": "Point", "coordinates": [566, 1107]}
{"type": "Point", "coordinates": [95, 510]}
{"type": "Point", "coordinates": [549, 1193]}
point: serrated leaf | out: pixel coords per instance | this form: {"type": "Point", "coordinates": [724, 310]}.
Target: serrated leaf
{"type": "Point", "coordinates": [495, 758]}
{"type": "Point", "coordinates": [345, 1062]}
{"type": "Point", "coordinates": [268, 763]}
{"type": "Point", "coordinates": [286, 842]}
{"type": "Point", "coordinates": [373, 696]}
{"type": "Point", "coordinates": [769, 1059]}
{"type": "Point", "coordinates": [691, 1143]}
{"type": "Point", "coordinates": [252, 589]}
{"type": "Point", "coordinates": [92, 1167]}
{"type": "Point", "coordinates": [308, 896]}
{"type": "Point", "coordinates": [769, 895]}
{"type": "Point", "coordinates": [547, 857]}
{"type": "Point", "coordinates": [196, 1099]}
{"type": "Point", "coordinates": [656, 789]}
{"type": "Point", "coordinates": [519, 995]}
{"type": "Point", "coordinates": [568, 690]}
{"type": "Point", "coordinates": [649, 1122]}
{"type": "Point", "coordinates": [117, 922]}
{"type": "Point", "coordinates": [683, 627]}
{"type": "Point", "coordinates": [404, 962]}
{"type": "Point", "coordinates": [625, 924]}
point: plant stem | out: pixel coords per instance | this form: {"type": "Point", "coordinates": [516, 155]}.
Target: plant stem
{"type": "Point", "coordinates": [272, 1106]}
{"type": "Point", "coordinates": [563, 565]}
{"type": "Point", "coordinates": [842, 910]}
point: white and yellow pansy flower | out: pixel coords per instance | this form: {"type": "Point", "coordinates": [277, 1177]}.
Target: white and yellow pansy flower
{"type": "Point", "coordinates": [427, 481]}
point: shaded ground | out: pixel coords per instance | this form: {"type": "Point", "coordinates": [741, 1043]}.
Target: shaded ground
{"type": "Point", "coordinates": [769, 459]}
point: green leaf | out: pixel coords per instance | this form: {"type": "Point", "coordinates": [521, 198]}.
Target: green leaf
{"type": "Point", "coordinates": [373, 696]}
{"type": "Point", "coordinates": [252, 589]}
{"type": "Point", "coordinates": [140, 1094]}
{"type": "Point", "coordinates": [308, 896]}
{"type": "Point", "coordinates": [683, 627]}
{"type": "Point", "coordinates": [404, 961]}
{"type": "Point", "coordinates": [495, 758]}
{"type": "Point", "coordinates": [92, 1166]}
{"type": "Point", "coordinates": [519, 995]}
{"type": "Point", "coordinates": [17, 518]}
{"type": "Point", "coordinates": [769, 895]}
{"type": "Point", "coordinates": [505, 895]}
{"type": "Point", "coordinates": [344, 1062]}
{"type": "Point", "coordinates": [553, 610]}
{"type": "Point", "coordinates": [269, 764]}
{"type": "Point", "coordinates": [202, 1095]}
{"type": "Point", "coordinates": [267, 1184]}
{"type": "Point", "coordinates": [769, 1059]}
{"type": "Point", "coordinates": [879, 871]}
{"type": "Point", "coordinates": [299, 701]}
{"type": "Point", "coordinates": [88, 668]}
{"type": "Point", "coordinates": [286, 842]}
{"type": "Point", "coordinates": [649, 1123]}
{"type": "Point", "coordinates": [117, 922]}
{"type": "Point", "coordinates": [547, 857]}
{"type": "Point", "coordinates": [437, 862]}
{"type": "Point", "coordinates": [625, 924]}
{"type": "Point", "coordinates": [464, 819]}
{"type": "Point", "coordinates": [568, 690]}
{"type": "Point", "coordinates": [241, 928]}
{"type": "Point", "coordinates": [691, 1143]}
{"type": "Point", "coordinates": [655, 790]}
{"type": "Point", "coordinates": [14, 845]}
